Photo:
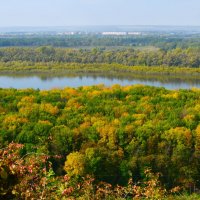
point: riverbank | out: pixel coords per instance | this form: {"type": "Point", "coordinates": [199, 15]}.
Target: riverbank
{"type": "Point", "coordinates": [51, 67]}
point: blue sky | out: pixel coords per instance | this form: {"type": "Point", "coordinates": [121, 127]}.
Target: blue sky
{"type": "Point", "coordinates": [99, 12]}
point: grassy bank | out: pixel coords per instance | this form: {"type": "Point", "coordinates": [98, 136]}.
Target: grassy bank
{"type": "Point", "coordinates": [49, 67]}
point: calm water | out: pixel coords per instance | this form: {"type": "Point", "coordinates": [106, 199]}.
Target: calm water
{"type": "Point", "coordinates": [49, 82]}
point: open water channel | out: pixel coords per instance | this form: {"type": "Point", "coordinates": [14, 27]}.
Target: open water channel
{"type": "Point", "coordinates": [49, 81]}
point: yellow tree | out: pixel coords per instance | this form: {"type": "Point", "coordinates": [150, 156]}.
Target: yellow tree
{"type": "Point", "coordinates": [75, 164]}
{"type": "Point", "coordinates": [197, 142]}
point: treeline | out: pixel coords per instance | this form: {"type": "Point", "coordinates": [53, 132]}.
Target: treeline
{"type": "Point", "coordinates": [165, 42]}
{"type": "Point", "coordinates": [112, 134]}
{"type": "Point", "coordinates": [177, 57]}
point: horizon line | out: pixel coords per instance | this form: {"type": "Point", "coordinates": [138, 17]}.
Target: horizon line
{"type": "Point", "coordinates": [38, 26]}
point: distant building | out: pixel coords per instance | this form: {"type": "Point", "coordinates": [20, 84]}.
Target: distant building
{"type": "Point", "coordinates": [134, 33]}
{"type": "Point", "coordinates": [114, 33]}
{"type": "Point", "coordinates": [66, 33]}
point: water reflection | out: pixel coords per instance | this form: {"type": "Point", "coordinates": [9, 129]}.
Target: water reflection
{"type": "Point", "coordinates": [48, 81]}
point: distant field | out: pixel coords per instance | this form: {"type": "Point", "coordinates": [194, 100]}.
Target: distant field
{"type": "Point", "coordinates": [141, 48]}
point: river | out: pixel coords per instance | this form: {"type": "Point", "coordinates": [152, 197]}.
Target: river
{"type": "Point", "coordinates": [49, 81]}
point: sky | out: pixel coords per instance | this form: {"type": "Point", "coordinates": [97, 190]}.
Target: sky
{"type": "Point", "coordinates": [99, 12]}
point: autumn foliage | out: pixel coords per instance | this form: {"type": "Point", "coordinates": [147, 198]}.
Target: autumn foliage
{"type": "Point", "coordinates": [99, 142]}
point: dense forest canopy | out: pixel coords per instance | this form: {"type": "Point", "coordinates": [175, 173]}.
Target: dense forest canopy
{"type": "Point", "coordinates": [112, 134]}
{"type": "Point", "coordinates": [189, 57]}
{"type": "Point", "coordinates": [162, 41]}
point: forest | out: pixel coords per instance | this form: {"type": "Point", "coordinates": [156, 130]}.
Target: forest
{"type": "Point", "coordinates": [189, 57]}
{"type": "Point", "coordinates": [98, 142]}
{"type": "Point", "coordinates": [164, 41]}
